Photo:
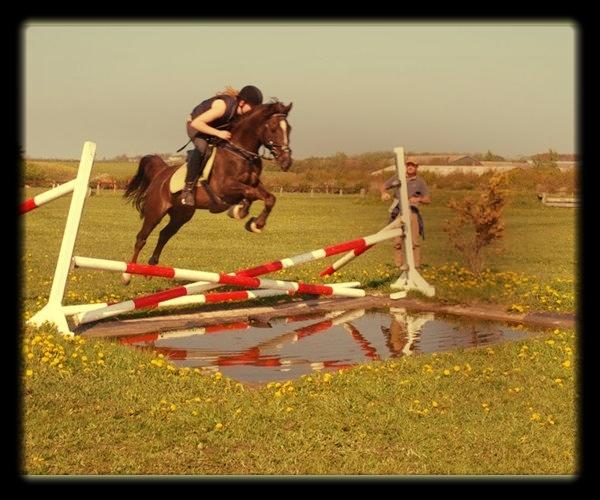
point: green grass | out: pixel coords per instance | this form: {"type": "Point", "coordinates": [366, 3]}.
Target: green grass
{"type": "Point", "coordinates": [94, 407]}
{"type": "Point", "coordinates": [539, 249]}
{"type": "Point", "coordinates": [510, 409]}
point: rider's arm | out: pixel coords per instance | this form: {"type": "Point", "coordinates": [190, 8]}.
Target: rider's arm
{"type": "Point", "coordinates": [201, 122]}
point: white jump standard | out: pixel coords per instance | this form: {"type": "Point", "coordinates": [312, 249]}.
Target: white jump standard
{"type": "Point", "coordinates": [53, 310]}
{"type": "Point", "coordinates": [410, 278]}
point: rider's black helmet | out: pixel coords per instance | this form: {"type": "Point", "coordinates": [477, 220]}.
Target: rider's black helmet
{"type": "Point", "coordinates": [251, 94]}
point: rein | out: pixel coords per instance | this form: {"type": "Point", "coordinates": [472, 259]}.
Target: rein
{"type": "Point", "coordinates": [252, 157]}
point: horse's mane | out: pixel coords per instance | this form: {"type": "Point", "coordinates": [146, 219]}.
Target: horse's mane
{"type": "Point", "coordinates": [258, 113]}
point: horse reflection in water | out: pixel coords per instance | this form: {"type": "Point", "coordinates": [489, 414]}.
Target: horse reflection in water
{"type": "Point", "coordinates": [234, 181]}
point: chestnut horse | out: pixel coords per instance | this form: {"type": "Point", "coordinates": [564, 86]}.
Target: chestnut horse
{"type": "Point", "coordinates": [234, 181]}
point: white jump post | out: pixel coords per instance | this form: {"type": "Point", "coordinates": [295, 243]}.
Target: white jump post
{"type": "Point", "coordinates": [410, 279]}
{"type": "Point", "coordinates": [53, 311]}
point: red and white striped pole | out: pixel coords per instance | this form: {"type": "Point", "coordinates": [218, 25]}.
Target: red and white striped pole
{"type": "Point", "coordinates": [352, 254]}
{"type": "Point", "coordinates": [359, 243]}
{"type": "Point", "coordinates": [175, 296]}
{"type": "Point", "coordinates": [163, 299]}
{"type": "Point", "coordinates": [46, 196]}
{"type": "Point", "coordinates": [220, 278]}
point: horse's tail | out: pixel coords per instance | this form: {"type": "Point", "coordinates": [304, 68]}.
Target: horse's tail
{"type": "Point", "coordinates": [137, 187]}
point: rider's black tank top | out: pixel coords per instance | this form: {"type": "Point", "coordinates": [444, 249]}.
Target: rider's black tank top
{"type": "Point", "coordinates": [231, 106]}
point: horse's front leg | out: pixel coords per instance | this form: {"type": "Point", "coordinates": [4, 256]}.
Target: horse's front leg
{"type": "Point", "coordinates": [241, 210]}
{"type": "Point", "coordinates": [251, 194]}
{"type": "Point", "coordinates": [256, 224]}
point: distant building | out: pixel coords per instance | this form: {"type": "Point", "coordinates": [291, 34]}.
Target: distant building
{"type": "Point", "coordinates": [444, 164]}
{"type": "Point", "coordinates": [464, 165]}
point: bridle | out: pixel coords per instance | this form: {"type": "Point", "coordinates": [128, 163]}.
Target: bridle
{"type": "Point", "coordinates": [252, 157]}
{"type": "Point", "coordinates": [273, 147]}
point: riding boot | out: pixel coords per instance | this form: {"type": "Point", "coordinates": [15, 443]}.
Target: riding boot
{"type": "Point", "coordinates": [194, 162]}
{"type": "Point", "coordinates": [187, 195]}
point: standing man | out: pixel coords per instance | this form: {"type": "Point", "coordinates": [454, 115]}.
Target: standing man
{"type": "Point", "coordinates": [417, 193]}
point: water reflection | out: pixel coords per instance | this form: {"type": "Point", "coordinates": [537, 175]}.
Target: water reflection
{"type": "Point", "coordinates": [285, 349]}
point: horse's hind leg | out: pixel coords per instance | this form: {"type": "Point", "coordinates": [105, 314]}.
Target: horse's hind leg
{"type": "Point", "coordinates": [179, 216]}
{"type": "Point", "coordinates": [149, 224]}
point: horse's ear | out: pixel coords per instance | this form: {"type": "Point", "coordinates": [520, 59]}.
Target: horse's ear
{"type": "Point", "coordinates": [288, 108]}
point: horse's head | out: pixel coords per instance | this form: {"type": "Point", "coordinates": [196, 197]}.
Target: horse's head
{"type": "Point", "coordinates": [266, 125]}
{"type": "Point", "coordinates": [275, 134]}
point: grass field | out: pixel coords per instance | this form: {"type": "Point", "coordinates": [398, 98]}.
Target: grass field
{"type": "Point", "coordinates": [536, 270]}
{"type": "Point", "coordinates": [96, 407]}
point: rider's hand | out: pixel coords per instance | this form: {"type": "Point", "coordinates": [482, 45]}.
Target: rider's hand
{"type": "Point", "coordinates": [224, 134]}
{"type": "Point", "coordinates": [385, 196]}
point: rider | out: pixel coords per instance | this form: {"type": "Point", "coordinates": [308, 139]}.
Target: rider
{"type": "Point", "coordinates": [210, 118]}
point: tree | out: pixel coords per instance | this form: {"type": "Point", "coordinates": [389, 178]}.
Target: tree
{"type": "Point", "coordinates": [489, 156]}
{"type": "Point", "coordinates": [478, 223]}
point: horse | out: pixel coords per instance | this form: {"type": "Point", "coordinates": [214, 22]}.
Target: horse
{"type": "Point", "coordinates": [234, 182]}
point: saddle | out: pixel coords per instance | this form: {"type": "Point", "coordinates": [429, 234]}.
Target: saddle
{"type": "Point", "coordinates": [178, 178]}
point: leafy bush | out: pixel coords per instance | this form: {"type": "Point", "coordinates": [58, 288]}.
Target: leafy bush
{"type": "Point", "coordinates": [478, 223]}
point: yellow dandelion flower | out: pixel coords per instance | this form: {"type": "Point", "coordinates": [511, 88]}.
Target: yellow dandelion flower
{"type": "Point", "coordinates": [535, 417]}
{"type": "Point", "coordinates": [456, 368]}
{"type": "Point", "coordinates": [447, 372]}
{"type": "Point", "coordinates": [29, 373]}
{"type": "Point", "coordinates": [434, 404]}
{"type": "Point", "coordinates": [218, 426]}
{"type": "Point", "coordinates": [566, 363]}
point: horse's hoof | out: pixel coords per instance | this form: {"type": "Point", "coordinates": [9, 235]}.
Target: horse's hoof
{"type": "Point", "coordinates": [251, 226]}
{"type": "Point", "coordinates": [234, 212]}
{"type": "Point", "coordinates": [125, 278]}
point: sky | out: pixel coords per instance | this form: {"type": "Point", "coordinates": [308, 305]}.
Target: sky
{"type": "Point", "coordinates": [356, 87]}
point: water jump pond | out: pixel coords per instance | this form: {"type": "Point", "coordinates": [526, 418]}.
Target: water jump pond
{"type": "Point", "coordinates": [283, 349]}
